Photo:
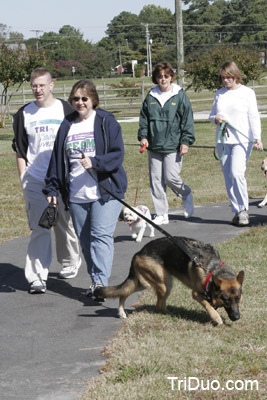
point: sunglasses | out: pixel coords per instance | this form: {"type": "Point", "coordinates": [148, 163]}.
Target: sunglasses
{"type": "Point", "coordinates": [84, 99]}
{"type": "Point", "coordinates": [163, 76]}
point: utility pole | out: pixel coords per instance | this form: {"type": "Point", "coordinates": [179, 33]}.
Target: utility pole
{"type": "Point", "coordinates": [121, 67]}
{"type": "Point", "coordinates": [150, 56]}
{"type": "Point", "coordinates": [147, 49]}
{"type": "Point", "coordinates": [179, 41]}
{"type": "Point", "coordinates": [37, 37]}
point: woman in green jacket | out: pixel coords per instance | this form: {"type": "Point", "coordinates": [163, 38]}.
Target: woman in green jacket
{"type": "Point", "coordinates": [166, 127]}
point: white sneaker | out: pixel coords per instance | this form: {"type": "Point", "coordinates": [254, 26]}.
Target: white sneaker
{"type": "Point", "coordinates": [188, 206]}
{"type": "Point", "coordinates": [161, 219]}
{"type": "Point", "coordinates": [37, 287]}
{"type": "Point", "coordinates": [243, 218]}
{"type": "Point", "coordinates": [70, 272]}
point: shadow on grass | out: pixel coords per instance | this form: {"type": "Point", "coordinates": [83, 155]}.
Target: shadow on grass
{"type": "Point", "coordinates": [178, 312]}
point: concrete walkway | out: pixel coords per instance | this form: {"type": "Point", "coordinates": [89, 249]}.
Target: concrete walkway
{"type": "Point", "coordinates": [51, 344]}
{"type": "Point", "coordinates": [198, 116]}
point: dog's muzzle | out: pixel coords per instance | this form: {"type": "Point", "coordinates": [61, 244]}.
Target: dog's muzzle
{"type": "Point", "coordinates": [233, 314]}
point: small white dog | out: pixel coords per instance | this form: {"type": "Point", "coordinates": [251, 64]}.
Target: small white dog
{"type": "Point", "coordinates": [264, 169]}
{"type": "Point", "coordinates": [138, 225]}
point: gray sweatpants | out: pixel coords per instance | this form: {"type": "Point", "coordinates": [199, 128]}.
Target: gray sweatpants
{"type": "Point", "coordinates": [164, 170]}
{"type": "Point", "coordinates": [39, 253]}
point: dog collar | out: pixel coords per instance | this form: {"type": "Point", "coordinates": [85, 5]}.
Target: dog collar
{"type": "Point", "coordinates": [207, 281]}
{"type": "Point", "coordinates": [207, 285]}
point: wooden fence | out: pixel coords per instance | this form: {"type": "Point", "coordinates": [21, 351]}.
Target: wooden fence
{"type": "Point", "coordinates": [120, 101]}
{"type": "Point", "coordinates": [125, 102]}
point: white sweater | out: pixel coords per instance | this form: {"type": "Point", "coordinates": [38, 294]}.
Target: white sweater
{"type": "Point", "coordinates": [239, 108]}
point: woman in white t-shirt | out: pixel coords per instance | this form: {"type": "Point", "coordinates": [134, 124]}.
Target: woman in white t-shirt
{"type": "Point", "coordinates": [97, 135]}
{"type": "Point", "coordinates": [237, 105]}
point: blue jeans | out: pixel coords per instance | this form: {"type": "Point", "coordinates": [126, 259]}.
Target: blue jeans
{"type": "Point", "coordinates": [95, 224]}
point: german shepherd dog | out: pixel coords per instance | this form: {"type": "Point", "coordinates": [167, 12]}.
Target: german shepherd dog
{"type": "Point", "coordinates": [213, 283]}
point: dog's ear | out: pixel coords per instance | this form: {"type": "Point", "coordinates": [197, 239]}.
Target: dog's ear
{"type": "Point", "coordinates": [240, 277]}
{"type": "Point", "coordinates": [217, 281]}
{"type": "Point", "coordinates": [121, 215]}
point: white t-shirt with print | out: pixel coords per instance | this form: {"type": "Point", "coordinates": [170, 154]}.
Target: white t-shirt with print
{"type": "Point", "coordinates": [41, 124]}
{"type": "Point", "coordinates": [83, 188]}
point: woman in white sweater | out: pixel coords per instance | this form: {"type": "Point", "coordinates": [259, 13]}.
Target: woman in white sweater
{"type": "Point", "coordinates": [237, 105]}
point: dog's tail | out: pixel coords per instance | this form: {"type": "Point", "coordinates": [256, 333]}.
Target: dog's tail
{"type": "Point", "coordinates": [125, 289]}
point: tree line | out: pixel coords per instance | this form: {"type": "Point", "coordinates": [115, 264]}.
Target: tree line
{"type": "Point", "coordinates": [207, 24]}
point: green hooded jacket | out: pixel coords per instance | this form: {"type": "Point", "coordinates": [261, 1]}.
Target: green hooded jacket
{"type": "Point", "coordinates": [167, 127]}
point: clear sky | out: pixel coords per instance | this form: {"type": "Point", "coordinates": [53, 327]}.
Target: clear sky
{"type": "Point", "coordinates": [89, 16]}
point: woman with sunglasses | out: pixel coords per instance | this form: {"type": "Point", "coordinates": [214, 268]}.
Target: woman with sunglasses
{"type": "Point", "coordinates": [167, 129]}
{"type": "Point", "coordinates": [96, 135]}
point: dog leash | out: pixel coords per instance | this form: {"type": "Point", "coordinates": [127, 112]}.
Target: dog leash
{"type": "Point", "coordinates": [176, 242]}
{"type": "Point", "coordinates": [137, 189]}
{"type": "Point", "coordinates": [222, 132]}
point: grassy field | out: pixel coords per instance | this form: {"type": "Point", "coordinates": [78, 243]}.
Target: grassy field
{"type": "Point", "coordinates": [150, 347]}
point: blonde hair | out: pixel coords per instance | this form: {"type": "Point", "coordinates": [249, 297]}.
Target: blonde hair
{"type": "Point", "coordinates": [40, 71]}
{"type": "Point", "coordinates": [230, 69]}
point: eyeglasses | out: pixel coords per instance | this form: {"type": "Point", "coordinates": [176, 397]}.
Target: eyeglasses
{"type": "Point", "coordinates": [84, 99]}
{"type": "Point", "coordinates": [228, 77]}
{"type": "Point", "coordinates": [41, 87]}
{"type": "Point", "coordinates": [163, 76]}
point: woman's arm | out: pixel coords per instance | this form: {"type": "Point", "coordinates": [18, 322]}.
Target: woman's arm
{"type": "Point", "coordinates": [21, 164]}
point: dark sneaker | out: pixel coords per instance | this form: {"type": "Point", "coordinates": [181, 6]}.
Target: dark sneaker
{"type": "Point", "coordinates": [235, 220]}
{"type": "Point", "coordinates": [90, 291]}
{"type": "Point", "coordinates": [98, 297]}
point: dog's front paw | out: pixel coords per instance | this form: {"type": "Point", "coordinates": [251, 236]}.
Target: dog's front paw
{"type": "Point", "coordinates": [138, 240]}
{"type": "Point", "coordinates": [122, 314]}
{"type": "Point", "coordinates": [152, 235]}
{"type": "Point", "coordinates": [260, 205]}
{"type": "Point", "coordinates": [217, 321]}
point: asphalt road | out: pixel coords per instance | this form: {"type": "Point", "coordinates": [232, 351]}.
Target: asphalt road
{"type": "Point", "coordinates": [51, 345]}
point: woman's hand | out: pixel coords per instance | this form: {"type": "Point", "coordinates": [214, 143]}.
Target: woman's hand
{"type": "Point", "coordinates": [183, 149]}
{"type": "Point", "coordinates": [86, 163]}
{"type": "Point", "coordinates": [144, 142]}
{"type": "Point", "coordinates": [53, 199]}
{"type": "Point", "coordinates": [258, 145]}
{"type": "Point", "coordinates": [219, 119]}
